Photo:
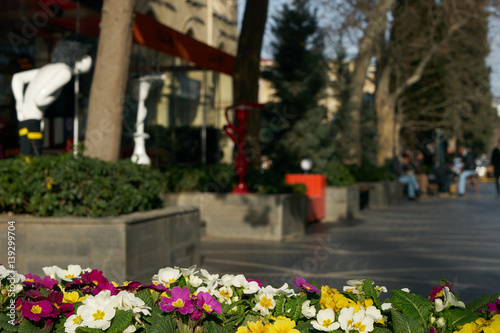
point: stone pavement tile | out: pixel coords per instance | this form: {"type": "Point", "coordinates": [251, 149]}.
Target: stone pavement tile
{"type": "Point", "coordinates": [413, 245]}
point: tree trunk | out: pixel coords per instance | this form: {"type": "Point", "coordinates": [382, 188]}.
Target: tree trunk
{"type": "Point", "coordinates": [376, 26]}
{"type": "Point", "coordinates": [104, 123]}
{"type": "Point", "coordinates": [385, 105]}
{"type": "Point", "coordinates": [247, 70]}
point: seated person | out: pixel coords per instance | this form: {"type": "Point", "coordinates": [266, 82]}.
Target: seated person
{"type": "Point", "coordinates": [468, 168]}
{"type": "Point", "coordinates": [406, 175]}
{"type": "Point", "coordinates": [444, 176]}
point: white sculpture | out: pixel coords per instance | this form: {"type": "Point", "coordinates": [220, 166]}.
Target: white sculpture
{"type": "Point", "coordinates": [143, 85]}
{"type": "Point", "coordinates": [44, 85]}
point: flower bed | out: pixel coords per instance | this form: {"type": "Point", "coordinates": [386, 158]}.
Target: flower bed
{"type": "Point", "coordinates": [186, 300]}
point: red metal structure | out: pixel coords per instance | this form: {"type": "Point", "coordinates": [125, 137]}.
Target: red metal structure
{"type": "Point", "coordinates": [237, 134]}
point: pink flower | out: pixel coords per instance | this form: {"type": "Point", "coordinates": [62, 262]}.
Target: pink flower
{"type": "Point", "coordinates": [36, 310]}
{"type": "Point", "coordinates": [206, 303]}
{"type": "Point", "coordinates": [438, 292]}
{"type": "Point", "coordinates": [307, 287]}
{"type": "Point", "coordinates": [179, 301]}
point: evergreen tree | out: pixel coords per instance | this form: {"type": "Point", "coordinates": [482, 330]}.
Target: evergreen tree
{"type": "Point", "coordinates": [299, 76]}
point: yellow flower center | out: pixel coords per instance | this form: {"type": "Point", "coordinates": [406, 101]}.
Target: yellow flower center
{"type": "Point", "coordinates": [179, 303]}
{"type": "Point", "coordinates": [225, 294]}
{"type": "Point", "coordinates": [207, 308]}
{"type": "Point", "coordinates": [69, 275]}
{"type": "Point", "coordinates": [171, 280]}
{"type": "Point", "coordinates": [327, 322]}
{"type": "Point", "coordinates": [36, 309]}
{"type": "Point", "coordinates": [266, 302]}
{"type": "Point", "coordinates": [30, 280]}
{"type": "Point", "coordinates": [359, 326]}
{"type": "Point", "coordinates": [98, 315]}
{"type": "Point", "coordinates": [77, 320]}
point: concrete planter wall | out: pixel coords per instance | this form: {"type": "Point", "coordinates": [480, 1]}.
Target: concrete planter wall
{"type": "Point", "coordinates": [383, 193]}
{"type": "Point", "coordinates": [274, 217]}
{"type": "Point", "coordinates": [342, 202]}
{"type": "Point", "coordinates": [127, 247]}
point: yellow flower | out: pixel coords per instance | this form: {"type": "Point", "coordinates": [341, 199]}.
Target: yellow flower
{"type": "Point", "coordinates": [283, 325]}
{"type": "Point", "coordinates": [253, 327]}
{"type": "Point", "coordinates": [332, 299]}
{"type": "Point", "coordinates": [474, 327]}
{"type": "Point", "coordinates": [494, 326]}
{"type": "Point", "coordinates": [73, 297]}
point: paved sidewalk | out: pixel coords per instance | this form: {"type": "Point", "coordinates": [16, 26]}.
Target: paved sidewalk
{"type": "Point", "coordinates": [411, 245]}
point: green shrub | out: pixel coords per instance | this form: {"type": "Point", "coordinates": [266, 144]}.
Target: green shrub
{"type": "Point", "coordinates": [337, 174]}
{"type": "Point", "coordinates": [222, 179]}
{"type": "Point", "coordinates": [369, 172]}
{"type": "Point", "coordinates": [65, 185]}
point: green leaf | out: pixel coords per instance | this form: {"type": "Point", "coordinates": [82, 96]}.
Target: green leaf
{"type": "Point", "coordinates": [212, 327]}
{"type": "Point", "coordinates": [120, 321]}
{"type": "Point", "coordinates": [145, 295]}
{"type": "Point", "coordinates": [160, 324]}
{"type": "Point", "coordinates": [459, 317]}
{"type": "Point", "coordinates": [480, 302]}
{"type": "Point", "coordinates": [414, 306]}
{"type": "Point", "coordinates": [405, 324]}
{"type": "Point", "coordinates": [27, 327]}
{"type": "Point", "coordinates": [370, 292]}
{"type": "Point", "coordinates": [381, 330]}
{"type": "Point", "coordinates": [4, 324]}
{"type": "Point", "coordinates": [87, 330]}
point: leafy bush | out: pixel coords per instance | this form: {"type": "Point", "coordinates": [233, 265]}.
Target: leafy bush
{"type": "Point", "coordinates": [370, 173]}
{"type": "Point", "coordinates": [337, 174]}
{"type": "Point", "coordinates": [78, 186]}
{"type": "Point", "coordinates": [222, 178]}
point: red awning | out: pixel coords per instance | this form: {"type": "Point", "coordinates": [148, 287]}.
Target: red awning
{"type": "Point", "coordinates": [155, 35]}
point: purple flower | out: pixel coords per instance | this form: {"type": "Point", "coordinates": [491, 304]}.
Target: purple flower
{"type": "Point", "coordinates": [205, 302]}
{"type": "Point", "coordinates": [36, 310]}
{"type": "Point", "coordinates": [33, 280]}
{"type": "Point", "coordinates": [48, 283]}
{"type": "Point", "coordinates": [56, 299]}
{"type": "Point", "coordinates": [105, 286]}
{"type": "Point", "coordinates": [432, 330]}
{"type": "Point", "coordinates": [196, 314]}
{"type": "Point", "coordinates": [156, 287]}
{"type": "Point", "coordinates": [179, 301]}
{"type": "Point", "coordinates": [307, 287]}
{"type": "Point", "coordinates": [492, 307]}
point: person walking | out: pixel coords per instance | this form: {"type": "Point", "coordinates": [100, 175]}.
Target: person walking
{"type": "Point", "coordinates": [495, 161]}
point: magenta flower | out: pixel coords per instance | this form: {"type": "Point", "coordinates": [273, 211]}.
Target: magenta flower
{"type": "Point", "coordinates": [196, 314]}
{"type": "Point", "coordinates": [179, 301]}
{"type": "Point", "coordinates": [131, 287]}
{"type": "Point", "coordinates": [105, 286]}
{"type": "Point", "coordinates": [432, 330]}
{"type": "Point", "coordinates": [56, 299]}
{"type": "Point", "coordinates": [258, 282]}
{"type": "Point", "coordinates": [438, 292]}
{"type": "Point", "coordinates": [156, 287]}
{"type": "Point", "coordinates": [48, 283]}
{"type": "Point", "coordinates": [36, 310]}
{"type": "Point", "coordinates": [494, 308]}
{"type": "Point", "coordinates": [33, 280]}
{"type": "Point", "coordinates": [307, 287]}
{"type": "Point", "coordinates": [205, 302]}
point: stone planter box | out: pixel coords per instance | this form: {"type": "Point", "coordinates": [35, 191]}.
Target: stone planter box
{"type": "Point", "coordinates": [384, 193]}
{"type": "Point", "coordinates": [342, 202]}
{"type": "Point", "coordinates": [273, 217]}
{"type": "Point", "coordinates": [127, 247]}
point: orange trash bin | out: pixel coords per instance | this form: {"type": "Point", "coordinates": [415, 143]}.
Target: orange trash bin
{"type": "Point", "coordinates": [316, 192]}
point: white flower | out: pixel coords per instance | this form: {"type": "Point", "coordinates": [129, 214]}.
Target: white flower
{"type": "Point", "coordinates": [130, 329]}
{"type": "Point", "coordinates": [225, 294]}
{"type": "Point", "coordinates": [308, 311]}
{"type": "Point", "coordinates": [406, 290]}
{"type": "Point", "coordinates": [51, 271]}
{"type": "Point", "coordinates": [226, 280]}
{"type": "Point", "coordinates": [386, 306]}
{"type": "Point", "coordinates": [440, 322]}
{"type": "Point", "coordinates": [195, 281]}
{"type": "Point", "coordinates": [97, 312]}
{"type": "Point", "coordinates": [128, 301]}
{"type": "Point", "coordinates": [211, 288]}
{"type": "Point", "coordinates": [449, 300]}
{"type": "Point", "coordinates": [207, 277]}
{"type": "Point", "coordinates": [14, 277]}
{"type": "Point", "coordinates": [73, 272]}
{"type": "Point", "coordinates": [325, 321]}
{"type": "Point", "coordinates": [167, 276]}
{"type": "Point", "coordinates": [350, 320]}
{"type": "Point", "coordinates": [73, 322]}
{"type": "Point", "coordinates": [250, 287]}
{"type": "Point", "coordinates": [239, 281]}
{"type": "Point", "coordinates": [381, 289]}
{"type": "Point", "coordinates": [374, 313]}
{"type": "Point", "coordinates": [355, 283]}
{"type": "Point", "coordinates": [265, 303]}
{"type": "Point", "coordinates": [188, 271]}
